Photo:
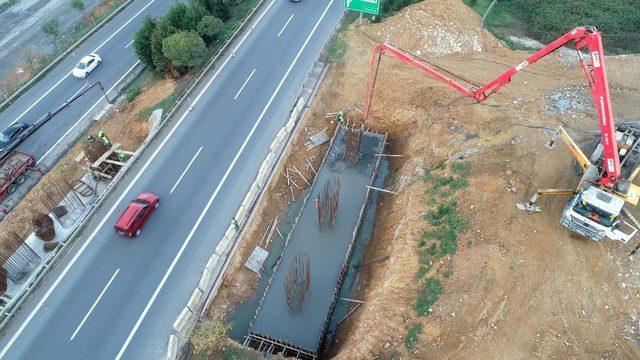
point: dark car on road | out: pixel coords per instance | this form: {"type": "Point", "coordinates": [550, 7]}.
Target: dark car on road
{"type": "Point", "coordinates": [136, 214]}
{"type": "Point", "coordinates": [11, 136]}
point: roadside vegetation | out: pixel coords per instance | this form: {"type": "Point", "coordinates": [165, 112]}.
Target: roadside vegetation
{"type": "Point", "coordinates": [546, 20]}
{"type": "Point", "coordinates": [440, 240]}
{"type": "Point", "coordinates": [188, 34]}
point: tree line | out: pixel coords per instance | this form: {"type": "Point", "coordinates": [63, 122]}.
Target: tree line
{"type": "Point", "coordinates": [174, 44]}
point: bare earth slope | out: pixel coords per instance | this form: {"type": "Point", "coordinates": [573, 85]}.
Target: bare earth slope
{"type": "Point", "coordinates": [522, 287]}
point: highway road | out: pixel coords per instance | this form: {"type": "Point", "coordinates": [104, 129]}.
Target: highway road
{"type": "Point", "coordinates": [117, 298]}
{"type": "Point", "coordinates": [113, 43]}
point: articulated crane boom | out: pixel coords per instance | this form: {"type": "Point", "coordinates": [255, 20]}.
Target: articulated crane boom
{"type": "Point", "coordinates": [582, 37]}
{"type": "Point", "coordinates": [606, 186]}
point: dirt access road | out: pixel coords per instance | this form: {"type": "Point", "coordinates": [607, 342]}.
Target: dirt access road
{"type": "Point", "coordinates": [519, 286]}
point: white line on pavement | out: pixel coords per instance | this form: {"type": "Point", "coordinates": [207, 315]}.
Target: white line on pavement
{"type": "Point", "coordinates": [84, 246]}
{"type": "Point", "coordinates": [285, 25]}
{"type": "Point", "coordinates": [94, 305]}
{"type": "Point", "coordinates": [185, 170]}
{"type": "Point", "coordinates": [217, 190]}
{"type": "Point", "coordinates": [78, 92]}
{"type": "Point", "coordinates": [245, 84]}
{"type": "Point", "coordinates": [83, 115]}
{"type": "Point", "coordinates": [129, 44]}
{"type": "Point", "coordinates": [69, 73]}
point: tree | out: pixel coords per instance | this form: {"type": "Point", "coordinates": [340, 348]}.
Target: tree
{"type": "Point", "coordinates": [209, 27]}
{"type": "Point", "coordinates": [78, 5]}
{"type": "Point", "coordinates": [210, 334]}
{"type": "Point", "coordinates": [217, 8]}
{"type": "Point", "coordinates": [51, 27]}
{"type": "Point", "coordinates": [142, 41]}
{"type": "Point", "coordinates": [180, 17]}
{"type": "Point", "coordinates": [161, 65]}
{"type": "Point", "coordinates": [184, 49]}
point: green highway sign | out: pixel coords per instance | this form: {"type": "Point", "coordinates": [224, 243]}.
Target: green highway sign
{"type": "Point", "coordinates": [365, 6]}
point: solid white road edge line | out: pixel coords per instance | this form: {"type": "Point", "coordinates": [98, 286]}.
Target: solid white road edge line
{"type": "Point", "coordinates": [69, 73]}
{"type": "Point", "coordinates": [217, 190]}
{"type": "Point", "coordinates": [94, 305]}
{"type": "Point", "coordinates": [245, 84]}
{"type": "Point", "coordinates": [185, 170]}
{"type": "Point", "coordinates": [129, 44]}
{"type": "Point", "coordinates": [115, 205]}
{"type": "Point", "coordinates": [85, 114]}
{"type": "Point", "coordinates": [285, 25]}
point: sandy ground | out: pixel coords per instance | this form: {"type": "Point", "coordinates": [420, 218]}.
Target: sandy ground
{"type": "Point", "coordinates": [121, 125]}
{"type": "Point", "coordinates": [522, 286]}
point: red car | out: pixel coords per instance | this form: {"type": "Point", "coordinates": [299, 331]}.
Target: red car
{"type": "Point", "coordinates": [136, 214]}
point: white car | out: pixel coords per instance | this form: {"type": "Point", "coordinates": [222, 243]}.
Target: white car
{"type": "Point", "coordinates": [86, 65]}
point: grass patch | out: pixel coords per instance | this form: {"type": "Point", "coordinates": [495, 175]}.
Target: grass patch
{"type": "Point", "coordinates": [461, 168]}
{"type": "Point", "coordinates": [413, 334]}
{"type": "Point", "coordinates": [428, 296]}
{"type": "Point", "coordinates": [422, 272]}
{"type": "Point", "coordinates": [337, 50]}
{"type": "Point", "coordinates": [236, 353]}
{"type": "Point", "coordinates": [447, 274]}
{"type": "Point", "coordinates": [132, 92]}
{"type": "Point", "coordinates": [165, 104]}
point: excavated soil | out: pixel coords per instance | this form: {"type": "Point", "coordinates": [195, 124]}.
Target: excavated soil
{"type": "Point", "coordinates": [521, 285]}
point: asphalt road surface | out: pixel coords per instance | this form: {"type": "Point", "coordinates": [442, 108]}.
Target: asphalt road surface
{"type": "Point", "coordinates": [117, 298]}
{"type": "Point", "coordinates": [113, 44]}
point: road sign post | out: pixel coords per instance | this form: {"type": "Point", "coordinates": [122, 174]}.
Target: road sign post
{"type": "Point", "coordinates": [364, 6]}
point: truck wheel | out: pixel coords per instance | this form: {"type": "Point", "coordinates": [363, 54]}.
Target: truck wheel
{"type": "Point", "coordinates": [157, 204]}
{"type": "Point", "coordinates": [12, 188]}
{"type": "Point", "coordinates": [20, 179]}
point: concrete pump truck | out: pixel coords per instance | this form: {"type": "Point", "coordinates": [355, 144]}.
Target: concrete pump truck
{"type": "Point", "coordinates": [596, 205]}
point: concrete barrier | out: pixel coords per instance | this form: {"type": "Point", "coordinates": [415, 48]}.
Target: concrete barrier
{"type": "Point", "coordinates": [204, 280]}
{"type": "Point", "coordinates": [172, 349]}
{"type": "Point", "coordinates": [194, 299]}
{"type": "Point", "coordinates": [213, 261]}
{"type": "Point", "coordinates": [182, 319]}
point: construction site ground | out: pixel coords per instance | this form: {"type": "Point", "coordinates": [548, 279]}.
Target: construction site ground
{"type": "Point", "coordinates": [121, 123]}
{"type": "Point", "coordinates": [519, 286]}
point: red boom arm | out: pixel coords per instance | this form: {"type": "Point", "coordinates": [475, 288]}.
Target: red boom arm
{"type": "Point", "coordinates": [582, 37]}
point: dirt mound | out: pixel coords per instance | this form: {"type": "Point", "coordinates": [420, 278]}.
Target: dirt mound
{"type": "Point", "coordinates": [519, 285]}
{"type": "Point", "coordinates": [435, 29]}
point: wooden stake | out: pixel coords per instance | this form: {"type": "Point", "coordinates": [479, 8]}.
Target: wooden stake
{"type": "Point", "coordinates": [383, 190]}
{"type": "Point", "coordinates": [290, 181]}
{"type": "Point", "coordinates": [302, 176]}
{"type": "Point", "coordinates": [311, 166]}
{"type": "Point", "coordinates": [350, 312]}
{"type": "Point", "coordinates": [351, 300]}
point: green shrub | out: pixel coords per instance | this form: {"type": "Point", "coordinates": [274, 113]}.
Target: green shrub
{"type": "Point", "coordinates": [413, 333]}
{"type": "Point", "coordinates": [461, 168]}
{"type": "Point", "coordinates": [132, 92]}
{"type": "Point", "coordinates": [77, 4]}
{"type": "Point", "coordinates": [51, 27]}
{"type": "Point", "coordinates": [428, 296]}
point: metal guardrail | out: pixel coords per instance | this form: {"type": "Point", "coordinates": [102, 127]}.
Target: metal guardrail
{"type": "Point", "coordinates": [60, 57]}
{"type": "Point", "coordinates": [9, 311]}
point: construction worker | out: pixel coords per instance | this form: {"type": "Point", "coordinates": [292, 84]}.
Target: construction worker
{"type": "Point", "coordinates": [121, 155]}
{"type": "Point", "coordinates": [104, 138]}
{"type": "Point", "coordinates": [341, 119]}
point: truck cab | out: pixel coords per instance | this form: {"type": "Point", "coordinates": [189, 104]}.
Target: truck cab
{"type": "Point", "coordinates": [595, 214]}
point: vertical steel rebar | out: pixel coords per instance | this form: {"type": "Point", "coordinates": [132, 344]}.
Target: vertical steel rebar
{"type": "Point", "coordinates": [297, 281]}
